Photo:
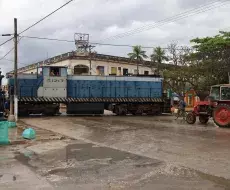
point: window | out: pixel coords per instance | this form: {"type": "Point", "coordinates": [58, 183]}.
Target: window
{"type": "Point", "coordinates": [125, 71]}
{"type": "Point", "coordinates": [81, 70]}
{"type": "Point", "coordinates": [100, 70]}
{"type": "Point", "coordinates": [146, 72]}
{"type": "Point", "coordinates": [135, 71]}
{"type": "Point", "coordinates": [114, 70]}
{"type": "Point", "coordinates": [54, 71]}
{"type": "Point", "coordinates": [225, 93]}
{"type": "Point", "coordinates": [215, 93]}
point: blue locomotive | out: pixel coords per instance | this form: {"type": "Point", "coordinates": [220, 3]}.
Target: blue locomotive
{"type": "Point", "coordinates": [44, 92]}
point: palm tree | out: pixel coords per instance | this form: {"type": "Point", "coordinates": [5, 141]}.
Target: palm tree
{"type": "Point", "coordinates": [158, 56]}
{"type": "Point", "coordinates": [138, 54]}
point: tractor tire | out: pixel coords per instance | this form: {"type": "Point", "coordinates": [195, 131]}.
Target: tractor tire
{"type": "Point", "coordinates": [221, 115]}
{"type": "Point", "coordinates": [203, 119]}
{"type": "Point", "coordinates": [190, 118]}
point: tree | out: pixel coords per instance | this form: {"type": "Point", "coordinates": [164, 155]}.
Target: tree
{"type": "Point", "coordinates": [205, 64]}
{"type": "Point", "coordinates": [213, 55]}
{"type": "Point", "coordinates": [158, 56]}
{"type": "Point", "coordinates": [181, 76]}
{"type": "Point", "coordinates": [138, 54]}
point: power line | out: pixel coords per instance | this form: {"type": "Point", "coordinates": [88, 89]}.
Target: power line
{"type": "Point", "coordinates": [10, 60]}
{"type": "Point", "coordinates": [6, 42]}
{"type": "Point", "coordinates": [51, 39]}
{"type": "Point", "coordinates": [10, 50]}
{"type": "Point", "coordinates": [7, 53]}
{"type": "Point", "coordinates": [161, 22]}
{"type": "Point", "coordinates": [38, 21]}
{"type": "Point", "coordinates": [174, 18]}
{"type": "Point", "coordinates": [46, 16]}
{"type": "Point", "coordinates": [94, 43]}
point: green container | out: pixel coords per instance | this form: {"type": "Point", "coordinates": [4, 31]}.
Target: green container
{"type": "Point", "coordinates": [4, 139]}
{"type": "Point", "coordinates": [12, 124]}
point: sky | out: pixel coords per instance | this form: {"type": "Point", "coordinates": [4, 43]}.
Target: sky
{"type": "Point", "coordinates": [104, 19]}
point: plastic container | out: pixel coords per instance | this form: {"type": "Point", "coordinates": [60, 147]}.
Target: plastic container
{"type": "Point", "coordinates": [4, 138]}
{"type": "Point", "coordinates": [12, 124]}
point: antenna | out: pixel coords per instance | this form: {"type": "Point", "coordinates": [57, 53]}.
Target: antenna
{"type": "Point", "coordinates": [81, 42]}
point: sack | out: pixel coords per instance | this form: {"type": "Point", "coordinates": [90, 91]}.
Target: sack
{"type": "Point", "coordinates": [4, 139]}
{"type": "Point", "coordinates": [29, 133]}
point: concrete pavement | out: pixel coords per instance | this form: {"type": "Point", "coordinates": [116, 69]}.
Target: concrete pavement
{"type": "Point", "coordinates": [203, 150]}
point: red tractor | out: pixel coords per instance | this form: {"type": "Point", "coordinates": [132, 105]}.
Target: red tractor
{"type": "Point", "coordinates": [217, 106]}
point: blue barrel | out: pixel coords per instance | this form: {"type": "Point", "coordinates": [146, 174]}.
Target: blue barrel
{"type": "Point", "coordinates": [4, 139]}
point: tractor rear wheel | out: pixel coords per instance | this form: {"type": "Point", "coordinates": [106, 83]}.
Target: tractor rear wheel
{"type": "Point", "coordinates": [191, 118]}
{"type": "Point", "coordinates": [221, 115]}
{"type": "Point", "coordinates": [203, 119]}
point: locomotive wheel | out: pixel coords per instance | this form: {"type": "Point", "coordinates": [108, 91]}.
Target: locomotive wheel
{"type": "Point", "coordinates": [203, 119]}
{"type": "Point", "coordinates": [221, 115]}
{"type": "Point", "coordinates": [139, 112]}
{"type": "Point", "coordinates": [191, 118]}
{"type": "Point", "coordinates": [120, 111]}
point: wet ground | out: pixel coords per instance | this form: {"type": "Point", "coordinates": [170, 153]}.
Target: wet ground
{"type": "Point", "coordinates": [112, 152]}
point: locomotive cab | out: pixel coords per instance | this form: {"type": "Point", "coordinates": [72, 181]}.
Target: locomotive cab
{"type": "Point", "coordinates": [53, 82]}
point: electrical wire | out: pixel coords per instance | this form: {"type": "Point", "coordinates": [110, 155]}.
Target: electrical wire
{"type": "Point", "coordinates": [46, 16]}
{"type": "Point", "coordinates": [10, 50]}
{"type": "Point", "coordinates": [174, 18]}
{"type": "Point", "coordinates": [51, 39]}
{"type": "Point", "coordinates": [93, 43]}
{"type": "Point", "coordinates": [6, 42]}
{"type": "Point", "coordinates": [38, 22]}
{"type": "Point", "coordinates": [161, 22]}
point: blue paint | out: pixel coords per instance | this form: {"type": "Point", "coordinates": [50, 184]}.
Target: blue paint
{"type": "Point", "coordinates": [95, 86]}
{"type": "Point", "coordinates": [113, 89]}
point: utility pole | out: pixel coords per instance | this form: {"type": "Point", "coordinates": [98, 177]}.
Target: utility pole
{"type": "Point", "coordinates": [90, 59]}
{"type": "Point", "coordinates": [14, 100]}
{"type": "Point", "coordinates": [15, 69]}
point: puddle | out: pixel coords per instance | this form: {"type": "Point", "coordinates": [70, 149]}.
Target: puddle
{"type": "Point", "coordinates": [84, 163]}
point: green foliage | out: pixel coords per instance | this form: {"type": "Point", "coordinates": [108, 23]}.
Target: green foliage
{"type": "Point", "coordinates": [137, 54]}
{"type": "Point", "coordinates": [206, 65]}
{"type": "Point", "coordinates": [158, 56]}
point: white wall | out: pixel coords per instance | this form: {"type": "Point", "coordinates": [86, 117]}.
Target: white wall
{"type": "Point", "coordinates": [107, 66]}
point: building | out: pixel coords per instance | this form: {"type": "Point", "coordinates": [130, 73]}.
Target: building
{"type": "Point", "coordinates": [80, 64]}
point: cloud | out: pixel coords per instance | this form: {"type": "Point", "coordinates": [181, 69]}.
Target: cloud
{"type": "Point", "coordinates": [102, 19]}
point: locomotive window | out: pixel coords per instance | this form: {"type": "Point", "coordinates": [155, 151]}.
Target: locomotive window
{"type": "Point", "coordinates": [54, 71]}
{"type": "Point", "coordinates": [215, 93]}
{"type": "Point", "coordinates": [225, 93]}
